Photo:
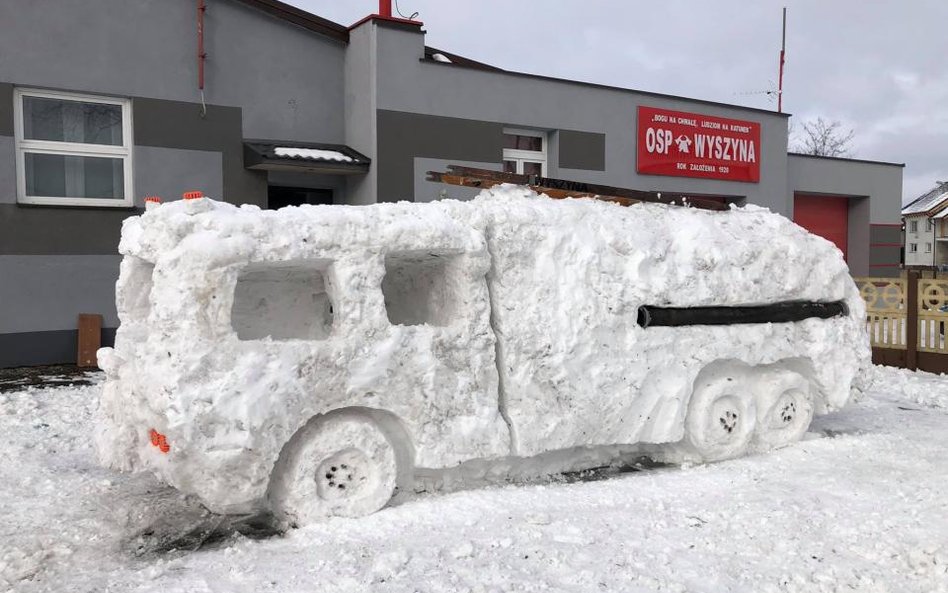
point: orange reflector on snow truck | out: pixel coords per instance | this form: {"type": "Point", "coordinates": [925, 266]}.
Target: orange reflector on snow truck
{"type": "Point", "coordinates": [159, 440]}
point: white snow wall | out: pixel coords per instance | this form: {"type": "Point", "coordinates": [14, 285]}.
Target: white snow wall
{"type": "Point", "coordinates": [239, 325]}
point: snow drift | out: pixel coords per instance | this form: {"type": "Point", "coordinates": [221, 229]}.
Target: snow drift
{"type": "Point", "coordinates": [314, 358]}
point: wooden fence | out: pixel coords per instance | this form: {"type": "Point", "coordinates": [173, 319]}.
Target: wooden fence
{"type": "Point", "coordinates": [907, 319]}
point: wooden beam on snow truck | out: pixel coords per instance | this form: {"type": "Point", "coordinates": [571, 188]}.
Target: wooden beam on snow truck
{"type": "Point", "coordinates": [565, 188]}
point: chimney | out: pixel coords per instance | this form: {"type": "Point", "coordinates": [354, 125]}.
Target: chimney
{"type": "Point", "coordinates": [385, 8]}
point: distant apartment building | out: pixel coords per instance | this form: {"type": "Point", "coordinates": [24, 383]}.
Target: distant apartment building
{"type": "Point", "coordinates": [926, 229]}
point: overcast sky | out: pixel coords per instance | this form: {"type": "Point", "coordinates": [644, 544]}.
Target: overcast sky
{"type": "Point", "coordinates": [878, 66]}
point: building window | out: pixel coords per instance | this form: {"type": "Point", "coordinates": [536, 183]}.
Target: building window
{"type": "Point", "coordinates": [928, 247]}
{"type": "Point", "coordinates": [525, 152]}
{"type": "Point", "coordinates": [913, 226]}
{"type": "Point", "coordinates": [913, 247]}
{"type": "Point", "coordinates": [929, 224]}
{"type": "Point", "coordinates": [72, 150]}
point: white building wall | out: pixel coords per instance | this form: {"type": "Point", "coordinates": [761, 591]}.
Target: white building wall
{"type": "Point", "coordinates": [922, 237]}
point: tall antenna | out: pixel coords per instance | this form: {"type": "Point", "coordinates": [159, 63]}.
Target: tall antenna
{"type": "Point", "coordinates": [783, 53]}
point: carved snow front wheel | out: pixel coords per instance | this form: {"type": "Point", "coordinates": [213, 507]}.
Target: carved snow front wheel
{"type": "Point", "coordinates": [785, 409]}
{"type": "Point", "coordinates": [338, 465]}
{"type": "Point", "coordinates": [721, 415]}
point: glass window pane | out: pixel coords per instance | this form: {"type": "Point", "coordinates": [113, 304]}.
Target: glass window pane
{"type": "Point", "coordinates": [530, 168]}
{"type": "Point", "coordinates": [67, 176]}
{"type": "Point", "coordinates": [59, 120]}
{"type": "Point", "coordinates": [530, 143]}
{"type": "Point", "coordinates": [510, 166]}
{"type": "Point", "coordinates": [510, 141]}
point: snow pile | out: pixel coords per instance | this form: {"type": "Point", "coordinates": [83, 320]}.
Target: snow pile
{"type": "Point", "coordinates": [924, 389]}
{"type": "Point", "coordinates": [318, 154]}
{"type": "Point", "coordinates": [861, 511]}
{"type": "Point", "coordinates": [505, 326]}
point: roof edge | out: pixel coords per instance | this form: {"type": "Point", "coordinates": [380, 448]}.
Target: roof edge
{"type": "Point", "coordinates": [840, 158]}
{"type": "Point", "coordinates": [597, 85]}
{"type": "Point", "coordinates": [301, 18]}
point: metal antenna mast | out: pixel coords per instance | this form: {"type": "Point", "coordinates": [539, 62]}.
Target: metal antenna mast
{"type": "Point", "coordinates": [783, 53]}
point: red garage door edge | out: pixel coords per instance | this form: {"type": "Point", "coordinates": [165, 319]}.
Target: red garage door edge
{"type": "Point", "coordinates": [825, 216]}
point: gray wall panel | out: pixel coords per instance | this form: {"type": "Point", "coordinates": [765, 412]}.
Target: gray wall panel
{"type": "Point", "coordinates": [52, 347]}
{"type": "Point", "coordinates": [288, 80]}
{"type": "Point", "coordinates": [6, 107]}
{"type": "Point", "coordinates": [7, 170]}
{"type": "Point", "coordinates": [404, 136]}
{"type": "Point", "coordinates": [857, 248]}
{"type": "Point", "coordinates": [408, 84]}
{"type": "Point", "coordinates": [177, 124]}
{"type": "Point", "coordinates": [885, 255]}
{"type": "Point", "coordinates": [168, 172]}
{"type": "Point", "coordinates": [42, 293]}
{"type": "Point", "coordinates": [359, 110]}
{"type": "Point", "coordinates": [41, 230]}
{"type": "Point", "coordinates": [582, 150]}
{"type": "Point", "coordinates": [885, 234]}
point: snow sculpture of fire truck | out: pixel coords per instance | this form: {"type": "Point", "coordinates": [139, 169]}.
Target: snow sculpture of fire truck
{"type": "Point", "coordinates": [313, 360]}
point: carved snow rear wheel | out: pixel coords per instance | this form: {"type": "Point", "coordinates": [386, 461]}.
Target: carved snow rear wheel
{"type": "Point", "coordinates": [785, 409]}
{"type": "Point", "coordinates": [721, 416]}
{"type": "Point", "coordinates": [340, 465]}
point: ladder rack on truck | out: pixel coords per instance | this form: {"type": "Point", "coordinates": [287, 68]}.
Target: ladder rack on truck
{"type": "Point", "coordinates": [564, 188]}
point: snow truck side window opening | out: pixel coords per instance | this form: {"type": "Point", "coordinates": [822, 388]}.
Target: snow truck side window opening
{"type": "Point", "coordinates": [137, 289]}
{"type": "Point", "coordinates": [417, 288]}
{"type": "Point", "coordinates": [283, 301]}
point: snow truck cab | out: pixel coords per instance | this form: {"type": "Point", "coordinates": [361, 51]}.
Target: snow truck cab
{"type": "Point", "coordinates": [312, 360]}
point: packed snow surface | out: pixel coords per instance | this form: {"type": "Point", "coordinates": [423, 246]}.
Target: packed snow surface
{"type": "Point", "coordinates": [312, 153]}
{"type": "Point", "coordinates": [501, 327]}
{"type": "Point", "coordinates": [859, 505]}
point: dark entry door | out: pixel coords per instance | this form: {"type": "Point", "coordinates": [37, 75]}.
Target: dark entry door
{"type": "Point", "coordinates": [279, 196]}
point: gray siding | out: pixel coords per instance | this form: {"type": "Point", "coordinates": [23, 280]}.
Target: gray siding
{"type": "Point", "coordinates": [7, 170]}
{"type": "Point", "coordinates": [177, 124]}
{"type": "Point", "coordinates": [885, 234]}
{"type": "Point", "coordinates": [359, 112]}
{"type": "Point", "coordinates": [193, 170]}
{"type": "Point", "coordinates": [6, 107]}
{"type": "Point", "coordinates": [405, 136]}
{"type": "Point", "coordinates": [408, 84]}
{"type": "Point", "coordinates": [42, 230]}
{"type": "Point", "coordinates": [581, 150]}
{"type": "Point", "coordinates": [44, 293]}
{"type": "Point", "coordinates": [289, 81]}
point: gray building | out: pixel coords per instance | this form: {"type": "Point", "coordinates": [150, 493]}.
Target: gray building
{"type": "Point", "coordinates": [253, 101]}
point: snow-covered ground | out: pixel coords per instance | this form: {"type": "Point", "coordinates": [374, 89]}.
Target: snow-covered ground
{"type": "Point", "coordinates": [861, 505]}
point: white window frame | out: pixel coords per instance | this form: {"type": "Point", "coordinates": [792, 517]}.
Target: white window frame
{"type": "Point", "coordinates": [519, 156]}
{"type": "Point", "coordinates": [913, 247]}
{"type": "Point", "coordinates": [928, 247]}
{"type": "Point", "coordinates": [929, 224]}
{"type": "Point", "coordinates": [913, 226]}
{"type": "Point", "coordinates": [24, 146]}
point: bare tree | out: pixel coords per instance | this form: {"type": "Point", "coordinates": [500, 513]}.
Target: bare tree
{"type": "Point", "coordinates": [824, 138]}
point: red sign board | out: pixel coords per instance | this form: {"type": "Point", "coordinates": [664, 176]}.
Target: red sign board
{"type": "Point", "coordinates": [682, 144]}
